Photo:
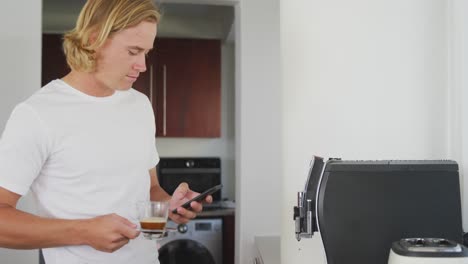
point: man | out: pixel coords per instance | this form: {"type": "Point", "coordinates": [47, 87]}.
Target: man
{"type": "Point", "coordinates": [85, 147]}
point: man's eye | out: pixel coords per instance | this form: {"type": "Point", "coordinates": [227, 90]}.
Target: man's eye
{"type": "Point", "coordinates": [132, 53]}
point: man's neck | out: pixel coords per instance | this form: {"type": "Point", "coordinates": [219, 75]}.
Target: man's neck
{"type": "Point", "coordinates": [87, 83]}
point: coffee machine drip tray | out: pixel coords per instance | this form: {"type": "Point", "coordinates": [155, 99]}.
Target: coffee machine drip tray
{"type": "Point", "coordinates": [427, 251]}
{"type": "Point", "coordinates": [429, 245]}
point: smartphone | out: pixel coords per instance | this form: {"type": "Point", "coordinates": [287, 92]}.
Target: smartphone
{"type": "Point", "coordinates": [200, 197]}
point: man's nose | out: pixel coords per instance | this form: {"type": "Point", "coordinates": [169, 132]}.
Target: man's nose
{"type": "Point", "coordinates": [140, 64]}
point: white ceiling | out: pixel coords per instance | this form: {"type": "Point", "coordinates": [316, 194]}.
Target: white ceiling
{"type": "Point", "coordinates": [178, 20]}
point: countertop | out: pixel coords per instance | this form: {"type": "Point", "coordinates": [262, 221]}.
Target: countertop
{"type": "Point", "coordinates": [269, 249]}
{"type": "Point", "coordinates": [217, 212]}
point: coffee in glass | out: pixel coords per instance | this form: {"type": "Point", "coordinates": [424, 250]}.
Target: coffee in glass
{"type": "Point", "coordinates": [153, 218]}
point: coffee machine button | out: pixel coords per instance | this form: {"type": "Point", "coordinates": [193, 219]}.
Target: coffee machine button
{"type": "Point", "coordinates": [190, 163]}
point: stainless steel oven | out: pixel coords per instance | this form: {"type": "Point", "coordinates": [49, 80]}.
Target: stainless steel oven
{"type": "Point", "coordinates": [201, 173]}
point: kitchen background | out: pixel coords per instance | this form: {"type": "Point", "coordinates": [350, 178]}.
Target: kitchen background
{"type": "Point", "coordinates": [257, 107]}
{"type": "Point", "coordinates": [181, 21]}
{"type": "Point", "coordinates": [352, 79]}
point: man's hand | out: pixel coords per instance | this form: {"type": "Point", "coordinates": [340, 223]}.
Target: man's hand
{"type": "Point", "coordinates": [181, 195]}
{"type": "Point", "coordinates": [108, 233]}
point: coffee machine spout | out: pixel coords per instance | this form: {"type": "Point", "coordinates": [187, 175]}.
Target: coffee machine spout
{"type": "Point", "coordinates": [304, 212]}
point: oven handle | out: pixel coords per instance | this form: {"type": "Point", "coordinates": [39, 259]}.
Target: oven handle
{"type": "Point", "coordinates": [151, 84]}
{"type": "Point", "coordinates": [164, 100]}
{"type": "Point", "coordinates": [189, 170]}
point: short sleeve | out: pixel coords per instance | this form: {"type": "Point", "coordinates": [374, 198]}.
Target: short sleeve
{"type": "Point", "coordinates": [153, 155]}
{"type": "Point", "coordinates": [23, 150]}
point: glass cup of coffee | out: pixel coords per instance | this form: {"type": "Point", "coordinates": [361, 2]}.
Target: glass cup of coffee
{"type": "Point", "coordinates": [153, 218]}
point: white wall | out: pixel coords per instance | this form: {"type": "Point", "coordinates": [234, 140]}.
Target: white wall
{"type": "Point", "coordinates": [20, 40]}
{"type": "Point", "coordinates": [362, 79]}
{"type": "Point", "coordinates": [258, 124]}
{"type": "Point", "coordinates": [458, 100]}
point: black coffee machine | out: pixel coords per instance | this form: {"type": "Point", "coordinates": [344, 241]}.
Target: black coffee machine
{"type": "Point", "coordinates": [361, 207]}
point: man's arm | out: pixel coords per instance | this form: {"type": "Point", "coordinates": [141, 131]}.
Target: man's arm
{"type": "Point", "coordinates": [157, 193]}
{"type": "Point", "coordinates": [21, 230]}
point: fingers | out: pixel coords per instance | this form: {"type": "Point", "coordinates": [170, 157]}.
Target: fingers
{"type": "Point", "coordinates": [182, 212]}
{"type": "Point", "coordinates": [181, 191]}
{"type": "Point", "coordinates": [127, 222]}
{"type": "Point", "coordinates": [116, 245]}
{"type": "Point", "coordinates": [120, 239]}
{"type": "Point", "coordinates": [129, 232]}
{"type": "Point", "coordinates": [196, 207]}
{"type": "Point", "coordinates": [209, 199]}
{"type": "Point", "coordinates": [179, 219]}
{"type": "Point", "coordinates": [127, 229]}
{"type": "Point", "coordinates": [181, 194]}
{"type": "Point", "coordinates": [120, 243]}
{"type": "Point", "coordinates": [108, 233]}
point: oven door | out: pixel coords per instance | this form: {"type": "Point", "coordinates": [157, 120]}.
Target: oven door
{"type": "Point", "coordinates": [200, 174]}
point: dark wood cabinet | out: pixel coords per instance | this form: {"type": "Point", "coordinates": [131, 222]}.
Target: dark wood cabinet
{"type": "Point", "coordinates": [183, 81]}
{"type": "Point", "coordinates": [187, 87]}
{"type": "Point", "coordinates": [54, 64]}
{"type": "Point", "coordinates": [228, 239]}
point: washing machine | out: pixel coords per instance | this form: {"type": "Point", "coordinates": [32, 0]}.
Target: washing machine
{"type": "Point", "coordinates": [199, 241]}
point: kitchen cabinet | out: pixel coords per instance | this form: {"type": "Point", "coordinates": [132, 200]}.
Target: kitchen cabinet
{"type": "Point", "coordinates": [228, 239]}
{"type": "Point", "coordinates": [54, 64]}
{"type": "Point", "coordinates": [182, 80]}
{"type": "Point", "coordinates": [186, 91]}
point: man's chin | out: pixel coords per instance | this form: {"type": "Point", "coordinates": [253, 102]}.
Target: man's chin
{"type": "Point", "coordinates": [124, 88]}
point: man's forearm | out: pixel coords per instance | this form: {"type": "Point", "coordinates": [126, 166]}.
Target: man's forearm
{"type": "Point", "coordinates": [158, 194]}
{"type": "Point", "coordinates": [21, 230]}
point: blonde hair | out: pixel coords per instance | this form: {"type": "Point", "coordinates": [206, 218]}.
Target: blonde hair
{"type": "Point", "coordinates": [100, 19]}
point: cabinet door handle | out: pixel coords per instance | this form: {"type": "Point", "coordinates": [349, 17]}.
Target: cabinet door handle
{"type": "Point", "coordinates": [164, 98]}
{"type": "Point", "coordinates": [151, 84]}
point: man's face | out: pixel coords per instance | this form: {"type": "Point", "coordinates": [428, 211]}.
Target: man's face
{"type": "Point", "coordinates": [122, 57]}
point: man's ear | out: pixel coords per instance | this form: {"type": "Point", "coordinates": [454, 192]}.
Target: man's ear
{"type": "Point", "coordinates": [92, 38]}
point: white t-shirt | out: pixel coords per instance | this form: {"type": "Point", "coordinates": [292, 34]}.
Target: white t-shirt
{"type": "Point", "coordinates": [82, 156]}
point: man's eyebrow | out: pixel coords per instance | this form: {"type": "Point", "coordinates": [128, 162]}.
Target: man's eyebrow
{"type": "Point", "coordinates": [138, 48]}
